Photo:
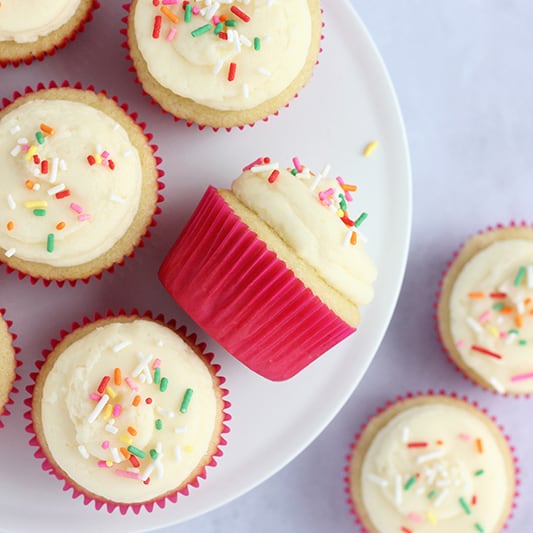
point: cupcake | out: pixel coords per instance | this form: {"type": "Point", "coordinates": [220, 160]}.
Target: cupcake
{"type": "Point", "coordinates": [274, 269]}
{"type": "Point", "coordinates": [128, 411]}
{"type": "Point", "coordinates": [78, 181]}
{"type": "Point", "coordinates": [485, 309]}
{"type": "Point", "coordinates": [7, 364]}
{"type": "Point", "coordinates": [223, 64]}
{"type": "Point", "coordinates": [431, 463]}
{"type": "Point", "coordinates": [31, 29]}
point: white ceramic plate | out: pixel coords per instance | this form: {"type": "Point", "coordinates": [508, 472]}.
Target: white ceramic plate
{"type": "Point", "coordinates": [348, 102]}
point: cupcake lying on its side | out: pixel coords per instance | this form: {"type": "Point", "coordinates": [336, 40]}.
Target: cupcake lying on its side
{"type": "Point", "coordinates": [224, 64]}
{"type": "Point", "coordinates": [79, 182]}
{"type": "Point", "coordinates": [273, 269]}
{"type": "Point", "coordinates": [29, 29]}
{"type": "Point", "coordinates": [7, 364]}
{"type": "Point", "coordinates": [128, 411]}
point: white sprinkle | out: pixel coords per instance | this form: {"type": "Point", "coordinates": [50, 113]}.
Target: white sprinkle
{"type": "Point", "coordinates": [218, 66]}
{"type": "Point", "coordinates": [133, 470]}
{"type": "Point", "coordinates": [244, 40]}
{"type": "Point", "coordinates": [22, 140]}
{"type": "Point", "coordinates": [529, 274]}
{"type": "Point", "coordinates": [398, 489]}
{"type": "Point", "coordinates": [63, 164]}
{"type": "Point", "coordinates": [121, 346]}
{"type": "Point", "coordinates": [142, 378]}
{"type": "Point", "coordinates": [497, 385]}
{"type": "Point", "coordinates": [160, 342]}
{"type": "Point", "coordinates": [265, 168]}
{"type": "Point", "coordinates": [165, 412]}
{"type": "Point", "coordinates": [16, 151]}
{"type": "Point", "coordinates": [378, 480]}
{"type": "Point", "coordinates": [211, 11]}
{"type": "Point", "coordinates": [264, 71]}
{"type": "Point", "coordinates": [56, 189]}
{"type": "Point", "coordinates": [127, 153]}
{"type": "Point", "coordinates": [36, 172]}
{"type": "Point", "coordinates": [245, 90]}
{"type": "Point", "coordinates": [111, 429]}
{"type": "Point", "coordinates": [10, 252]}
{"type": "Point", "coordinates": [148, 470]}
{"type": "Point", "coordinates": [14, 129]}
{"type": "Point", "coordinates": [116, 126]}
{"type": "Point", "coordinates": [420, 490]}
{"type": "Point", "coordinates": [347, 237]}
{"type": "Point", "coordinates": [115, 455]}
{"type": "Point", "coordinates": [443, 483]}
{"type": "Point", "coordinates": [430, 456]}
{"type": "Point", "coordinates": [405, 434]}
{"type": "Point", "coordinates": [116, 199]}
{"type": "Point", "coordinates": [54, 169]}
{"type": "Point", "coordinates": [98, 149]}
{"type": "Point", "coordinates": [181, 429]}
{"type": "Point", "coordinates": [511, 337]}
{"type": "Point", "coordinates": [177, 453]}
{"type": "Point", "coordinates": [159, 468]}
{"type": "Point", "coordinates": [440, 497]}
{"type": "Point", "coordinates": [83, 451]}
{"type": "Point", "coordinates": [35, 187]}
{"type": "Point", "coordinates": [315, 182]}
{"type": "Point", "coordinates": [98, 408]}
{"type": "Point", "coordinates": [474, 324]}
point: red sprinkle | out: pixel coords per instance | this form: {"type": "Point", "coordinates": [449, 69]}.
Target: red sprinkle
{"type": "Point", "coordinates": [103, 384]}
{"type": "Point", "coordinates": [485, 351]}
{"type": "Point", "coordinates": [91, 160]}
{"type": "Point", "coordinates": [273, 177]}
{"type": "Point", "coordinates": [62, 194]}
{"type": "Point", "coordinates": [44, 166]}
{"type": "Point", "coordinates": [231, 72]}
{"type": "Point", "coordinates": [406, 530]}
{"type": "Point", "coordinates": [347, 221]}
{"type": "Point", "coordinates": [498, 295]}
{"type": "Point", "coordinates": [223, 35]}
{"type": "Point", "coordinates": [148, 400]}
{"type": "Point", "coordinates": [417, 444]}
{"type": "Point", "coordinates": [36, 159]}
{"type": "Point", "coordinates": [111, 164]}
{"type": "Point", "coordinates": [241, 14]}
{"type": "Point", "coordinates": [157, 27]}
{"type": "Point", "coordinates": [134, 461]}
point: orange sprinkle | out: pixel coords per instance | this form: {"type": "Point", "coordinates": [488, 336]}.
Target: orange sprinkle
{"type": "Point", "coordinates": [29, 184]}
{"type": "Point", "coordinates": [348, 187]}
{"type": "Point", "coordinates": [132, 431]}
{"type": "Point", "coordinates": [506, 310]}
{"type": "Point", "coordinates": [222, 18]}
{"type": "Point", "coordinates": [518, 320]}
{"type": "Point", "coordinates": [10, 225]}
{"type": "Point", "coordinates": [60, 225]}
{"type": "Point", "coordinates": [527, 301]}
{"type": "Point", "coordinates": [47, 129]}
{"type": "Point", "coordinates": [136, 401]}
{"type": "Point", "coordinates": [440, 442]}
{"type": "Point", "coordinates": [125, 453]}
{"type": "Point", "coordinates": [171, 16]}
{"type": "Point", "coordinates": [117, 376]}
{"type": "Point", "coordinates": [479, 445]}
{"type": "Point", "coordinates": [353, 238]}
{"type": "Point", "coordinates": [476, 295]}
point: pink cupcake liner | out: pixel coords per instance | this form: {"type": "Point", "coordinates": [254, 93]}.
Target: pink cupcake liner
{"type": "Point", "coordinates": [188, 123]}
{"type": "Point", "coordinates": [4, 412]}
{"type": "Point", "coordinates": [161, 502]}
{"type": "Point", "coordinates": [244, 297]}
{"type": "Point", "coordinates": [160, 184]}
{"type": "Point", "coordinates": [458, 369]}
{"type": "Point", "coordinates": [52, 51]}
{"type": "Point", "coordinates": [410, 395]}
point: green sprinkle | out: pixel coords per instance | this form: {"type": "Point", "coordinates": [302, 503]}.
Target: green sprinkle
{"type": "Point", "coordinates": [432, 494]}
{"type": "Point", "coordinates": [498, 306]}
{"type": "Point", "coordinates": [479, 472]}
{"type": "Point", "coordinates": [39, 212]}
{"type": "Point", "coordinates": [410, 483]}
{"type": "Point", "coordinates": [153, 453]}
{"type": "Point", "coordinates": [218, 28]}
{"type": "Point", "coordinates": [294, 172]}
{"type": "Point", "coordinates": [257, 43]}
{"type": "Point", "coordinates": [520, 276]}
{"type": "Point", "coordinates": [511, 331]}
{"type": "Point", "coordinates": [40, 137]}
{"type": "Point", "coordinates": [186, 401]}
{"type": "Point", "coordinates": [464, 505]}
{"type": "Point", "coordinates": [342, 203]}
{"type": "Point", "coordinates": [164, 384]}
{"type": "Point", "coordinates": [231, 23]}
{"type": "Point", "coordinates": [158, 424]}
{"type": "Point", "coordinates": [157, 373]}
{"type": "Point", "coordinates": [188, 13]}
{"type": "Point", "coordinates": [201, 30]}
{"type": "Point", "coordinates": [479, 528]}
{"type": "Point", "coordinates": [522, 342]}
{"type": "Point", "coordinates": [50, 243]}
{"type": "Point", "coordinates": [135, 451]}
{"type": "Point", "coordinates": [360, 220]}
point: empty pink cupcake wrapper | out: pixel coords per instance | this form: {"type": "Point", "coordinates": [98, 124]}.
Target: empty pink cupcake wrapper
{"type": "Point", "coordinates": [466, 377]}
{"type": "Point", "coordinates": [47, 466]}
{"type": "Point", "coordinates": [408, 396]}
{"type": "Point", "coordinates": [4, 412]}
{"type": "Point", "coordinates": [51, 52]}
{"type": "Point", "coordinates": [160, 185]}
{"type": "Point", "coordinates": [242, 295]}
{"type": "Point", "coordinates": [189, 123]}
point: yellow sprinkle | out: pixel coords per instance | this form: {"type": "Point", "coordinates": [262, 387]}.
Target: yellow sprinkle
{"type": "Point", "coordinates": [493, 331]}
{"type": "Point", "coordinates": [97, 158]}
{"type": "Point", "coordinates": [187, 448]}
{"type": "Point", "coordinates": [370, 147]}
{"type": "Point", "coordinates": [431, 518]}
{"type": "Point", "coordinates": [35, 204]}
{"type": "Point", "coordinates": [126, 439]}
{"type": "Point", "coordinates": [109, 463]}
{"type": "Point", "coordinates": [340, 213]}
{"type": "Point", "coordinates": [31, 152]}
{"type": "Point", "coordinates": [108, 410]}
{"type": "Point", "coordinates": [110, 392]}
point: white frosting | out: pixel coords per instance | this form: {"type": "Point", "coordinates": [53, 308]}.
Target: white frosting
{"type": "Point", "coordinates": [447, 495]}
{"type": "Point", "coordinates": [102, 202]}
{"type": "Point", "coordinates": [509, 333]}
{"type": "Point", "coordinates": [25, 21]}
{"type": "Point", "coordinates": [312, 230]}
{"type": "Point", "coordinates": [197, 67]}
{"type": "Point", "coordinates": [183, 439]}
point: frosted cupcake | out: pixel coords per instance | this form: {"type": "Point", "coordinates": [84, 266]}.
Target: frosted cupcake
{"type": "Point", "coordinates": [223, 64]}
{"type": "Point", "coordinates": [431, 464]}
{"type": "Point", "coordinates": [7, 364]}
{"type": "Point", "coordinates": [485, 309]}
{"type": "Point", "coordinates": [78, 181]}
{"type": "Point", "coordinates": [30, 29]}
{"type": "Point", "coordinates": [274, 269]}
{"type": "Point", "coordinates": [128, 411]}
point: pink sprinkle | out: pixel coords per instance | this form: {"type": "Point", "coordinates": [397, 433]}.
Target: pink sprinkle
{"type": "Point", "coordinates": [485, 316]}
{"type": "Point", "coordinates": [95, 397]}
{"type": "Point", "coordinates": [216, 20]}
{"type": "Point", "coordinates": [347, 194]}
{"type": "Point", "coordinates": [82, 218]}
{"type": "Point", "coordinates": [520, 377]}
{"type": "Point", "coordinates": [460, 344]}
{"type": "Point", "coordinates": [130, 384]}
{"type": "Point", "coordinates": [25, 147]}
{"type": "Point", "coordinates": [414, 517]}
{"type": "Point", "coordinates": [125, 473]}
{"type": "Point", "coordinates": [169, 2]}
{"type": "Point", "coordinates": [196, 10]}
{"type": "Point", "coordinates": [156, 363]}
{"type": "Point", "coordinates": [117, 409]}
{"type": "Point", "coordinates": [297, 164]}
{"type": "Point", "coordinates": [464, 436]}
{"type": "Point", "coordinates": [326, 194]}
{"type": "Point", "coordinates": [258, 161]}
{"type": "Point", "coordinates": [503, 334]}
{"type": "Point", "coordinates": [171, 34]}
{"type": "Point", "coordinates": [105, 444]}
{"type": "Point", "coordinates": [76, 207]}
{"type": "Point", "coordinates": [103, 464]}
{"type": "Point", "coordinates": [105, 154]}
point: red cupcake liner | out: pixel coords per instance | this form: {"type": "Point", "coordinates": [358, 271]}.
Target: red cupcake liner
{"type": "Point", "coordinates": [160, 184]}
{"type": "Point", "coordinates": [153, 101]}
{"type": "Point", "coordinates": [458, 369]}
{"type": "Point", "coordinates": [244, 297]}
{"type": "Point", "coordinates": [408, 396]}
{"type": "Point", "coordinates": [4, 412]}
{"type": "Point", "coordinates": [52, 51]}
{"type": "Point", "coordinates": [47, 466]}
